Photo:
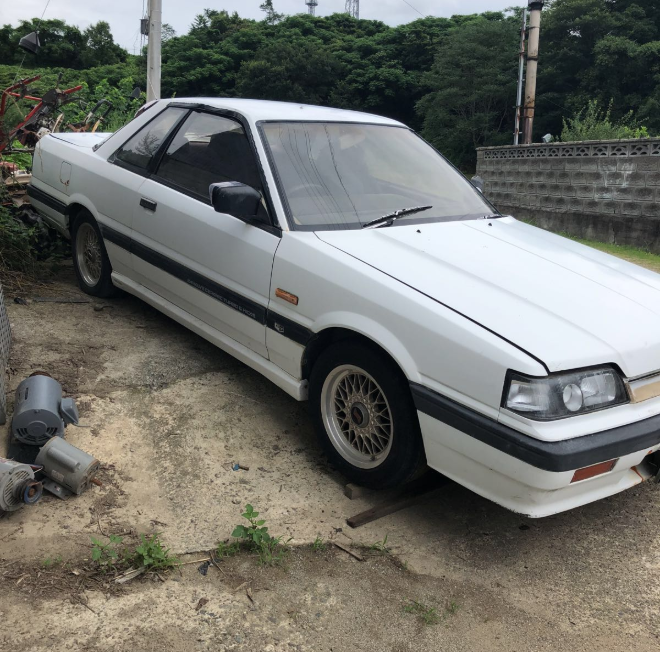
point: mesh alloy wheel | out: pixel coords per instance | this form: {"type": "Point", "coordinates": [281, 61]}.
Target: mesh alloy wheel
{"type": "Point", "coordinates": [90, 258]}
{"type": "Point", "coordinates": [357, 416]}
{"type": "Point", "coordinates": [88, 254]}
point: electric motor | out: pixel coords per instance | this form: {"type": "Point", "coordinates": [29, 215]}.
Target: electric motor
{"type": "Point", "coordinates": [17, 486]}
{"type": "Point", "coordinates": [67, 465]}
{"type": "Point", "coordinates": [40, 412]}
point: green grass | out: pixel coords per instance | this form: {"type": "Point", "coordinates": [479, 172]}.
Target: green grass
{"type": "Point", "coordinates": [631, 254]}
{"type": "Point", "coordinates": [430, 615]}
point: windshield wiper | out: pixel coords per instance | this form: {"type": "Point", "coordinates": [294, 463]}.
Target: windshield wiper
{"type": "Point", "coordinates": [391, 217]}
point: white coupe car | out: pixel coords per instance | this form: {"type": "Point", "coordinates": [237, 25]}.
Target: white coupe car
{"type": "Point", "coordinates": [346, 260]}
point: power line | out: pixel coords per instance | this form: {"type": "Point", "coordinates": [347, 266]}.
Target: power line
{"type": "Point", "coordinates": [417, 10]}
{"type": "Point", "coordinates": [36, 29]}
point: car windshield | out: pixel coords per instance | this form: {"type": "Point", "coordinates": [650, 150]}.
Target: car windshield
{"type": "Point", "coordinates": [342, 176]}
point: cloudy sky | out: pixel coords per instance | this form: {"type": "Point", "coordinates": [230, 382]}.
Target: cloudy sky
{"type": "Point", "coordinates": [123, 15]}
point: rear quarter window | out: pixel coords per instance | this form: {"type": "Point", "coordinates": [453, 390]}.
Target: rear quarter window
{"type": "Point", "coordinates": [140, 149]}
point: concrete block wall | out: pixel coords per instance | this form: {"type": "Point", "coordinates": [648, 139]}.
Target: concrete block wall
{"type": "Point", "coordinates": [601, 190]}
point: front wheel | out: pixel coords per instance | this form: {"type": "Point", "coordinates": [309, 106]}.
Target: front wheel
{"type": "Point", "coordinates": [90, 259]}
{"type": "Point", "coordinates": [364, 416]}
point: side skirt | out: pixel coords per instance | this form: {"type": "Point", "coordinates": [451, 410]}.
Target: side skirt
{"type": "Point", "coordinates": [291, 385]}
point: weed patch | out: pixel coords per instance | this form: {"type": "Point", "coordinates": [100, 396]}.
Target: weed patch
{"type": "Point", "coordinates": [430, 615]}
{"type": "Point", "coordinates": [256, 538]}
{"type": "Point", "coordinates": [152, 554]}
{"type": "Point", "coordinates": [319, 545]}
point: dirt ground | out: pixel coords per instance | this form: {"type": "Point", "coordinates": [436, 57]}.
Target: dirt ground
{"type": "Point", "coordinates": [168, 415]}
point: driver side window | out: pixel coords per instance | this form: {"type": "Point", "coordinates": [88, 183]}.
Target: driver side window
{"type": "Point", "coordinates": [209, 149]}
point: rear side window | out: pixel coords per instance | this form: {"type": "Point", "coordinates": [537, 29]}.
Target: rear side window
{"type": "Point", "coordinates": [141, 148]}
{"type": "Point", "coordinates": [209, 149]}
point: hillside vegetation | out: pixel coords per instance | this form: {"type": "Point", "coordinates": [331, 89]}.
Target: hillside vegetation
{"type": "Point", "coordinates": [452, 79]}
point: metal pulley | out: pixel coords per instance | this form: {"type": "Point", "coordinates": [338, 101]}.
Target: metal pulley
{"type": "Point", "coordinates": [17, 486]}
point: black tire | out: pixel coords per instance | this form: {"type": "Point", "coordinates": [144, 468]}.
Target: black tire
{"type": "Point", "coordinates": [405, 458]}
{"type": "Point", "coordinates": [103, 286]}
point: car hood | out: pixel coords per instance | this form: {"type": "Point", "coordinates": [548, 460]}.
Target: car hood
{"type": "Point", "coordinates": [566, 304]}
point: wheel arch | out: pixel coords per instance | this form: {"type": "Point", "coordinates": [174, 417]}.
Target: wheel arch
{"type": "Point", "coordinates": [75, 207]}
{"type": "Point", "coordinates": [380, 340]}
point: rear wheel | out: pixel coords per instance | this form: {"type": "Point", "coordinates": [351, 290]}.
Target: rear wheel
{"type": "Point", "coordinates": [365, 417]}
{"type": "Point", "coordinates": [90, 259]}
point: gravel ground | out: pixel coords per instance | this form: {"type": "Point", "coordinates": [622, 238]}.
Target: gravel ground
{"type": "Point", "coordinates": [168, 414]}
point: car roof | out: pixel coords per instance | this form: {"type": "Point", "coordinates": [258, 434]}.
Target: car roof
{"type": "Point", "coordinates": [256, 110]}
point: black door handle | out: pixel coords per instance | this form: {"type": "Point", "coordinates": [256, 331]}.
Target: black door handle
{"type": "Point", "coordinates": [149, 204]}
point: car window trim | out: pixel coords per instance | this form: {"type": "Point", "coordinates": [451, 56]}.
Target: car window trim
{"type": "Point", "coordinates": [329, 227]}
{"type": "Point", "coordinates": [147, 172]}
{"type": "Point", "coordinates": [274, 227]}
{"type": "Point", "coordinates": [172, 184]}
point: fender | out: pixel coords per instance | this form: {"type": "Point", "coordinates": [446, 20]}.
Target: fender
{"type": "Point", "coordinates": [374, 331]}
{"type": "Point", "coordinates": [81, 200]}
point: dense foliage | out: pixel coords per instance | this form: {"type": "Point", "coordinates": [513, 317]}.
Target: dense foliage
{"type": "Point", "coordinates": [62, 45]}
{"type": "Point", "coordinates": [594, 123]}
{"type": "Point", "coordinates": [452, 79]}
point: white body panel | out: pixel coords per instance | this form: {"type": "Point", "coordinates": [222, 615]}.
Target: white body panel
{"type": "Point", "coordinates": [289, 384]}
{"type": "Point", "coordinates": [518, 486]}
{"type": "Point", "coordinates": [456, 305]}
{"type": "Point", "coordinates": [219, 247]}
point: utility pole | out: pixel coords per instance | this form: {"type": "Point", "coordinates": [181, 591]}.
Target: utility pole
{"type": "Point", "coordinates": [535, 8]}
{"type": "Point", "coordinates": [311, 6]}
{"type": "Point", "coordinates": [153, 50]}
{"type": "Point", "coordinates": [521, 72]}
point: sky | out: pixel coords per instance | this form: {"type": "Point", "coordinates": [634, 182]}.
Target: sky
{"type": "Point", "coordinates": [124, 15]}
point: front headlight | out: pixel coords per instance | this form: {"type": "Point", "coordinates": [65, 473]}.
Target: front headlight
{"type": "Point", "coordinates": [564, 394]}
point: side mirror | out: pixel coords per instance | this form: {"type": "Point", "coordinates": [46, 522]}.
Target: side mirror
{"type": "Point", "coordinates": [478, 183]}
{"type": "Point", "coordinates": [235, 198]}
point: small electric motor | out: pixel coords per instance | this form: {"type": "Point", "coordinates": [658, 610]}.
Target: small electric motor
{"type": "Point", "coordinates": [40, 412]}
{"type": "Point", "coordinates": [17, 486]}
{"type": "Point", "coordinates": [67, 466]}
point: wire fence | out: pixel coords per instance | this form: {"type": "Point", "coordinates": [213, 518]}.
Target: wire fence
{"type": "Point", "coordinates": [5, 346]}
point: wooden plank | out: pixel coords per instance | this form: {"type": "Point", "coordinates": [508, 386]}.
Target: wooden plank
{"type": "Point", "coordinates": [414, 493]}
{"type": "Point", "coordinates": [352, 553]}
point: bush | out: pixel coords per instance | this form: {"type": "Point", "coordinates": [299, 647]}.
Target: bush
{"type": "Point", "coordinates": [94, 88]}
{"type": "Point", "coordinates": [21, 159]}
{"type": "Point", "coordinates": [592, 123]}
{"type": "Point", "coordinates": [17, 243]}
{"type": "Point", "coordinates": [24, 247]}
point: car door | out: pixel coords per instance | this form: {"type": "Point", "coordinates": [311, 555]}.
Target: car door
{"type": "Point", "coordinates": [116, 186]}
{"type": "Point", "coordinates": [212, 265]}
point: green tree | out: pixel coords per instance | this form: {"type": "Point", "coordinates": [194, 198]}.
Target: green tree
{"type": "Point", "coordinates": [599, 50]}
{"type": "Point", "coordinates": [301, 71]}
{"type": "Point", "coordinates": [167, 32]}
{"type": "Point", "coordinates": [100, 47]}
{"type": "Point", "coordinates": [272, 16]}
{"type": "Point", "coordinates": [473, 87]}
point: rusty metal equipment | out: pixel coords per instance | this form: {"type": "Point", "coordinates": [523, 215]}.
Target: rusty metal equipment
{"type": "Point", "coordinates": [69, 470]}
{"type": "Point", "coordinates": [18, 486]}
{"type": "Point", "coordinates": [94, 119]}
{"type": "Point", "coordinates": [41, 118]}
{"type": "Point", "coordinates": [40, 412]}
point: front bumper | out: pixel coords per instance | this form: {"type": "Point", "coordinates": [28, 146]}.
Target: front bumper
{"type": "Point", "coordinates": [524, 474]}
